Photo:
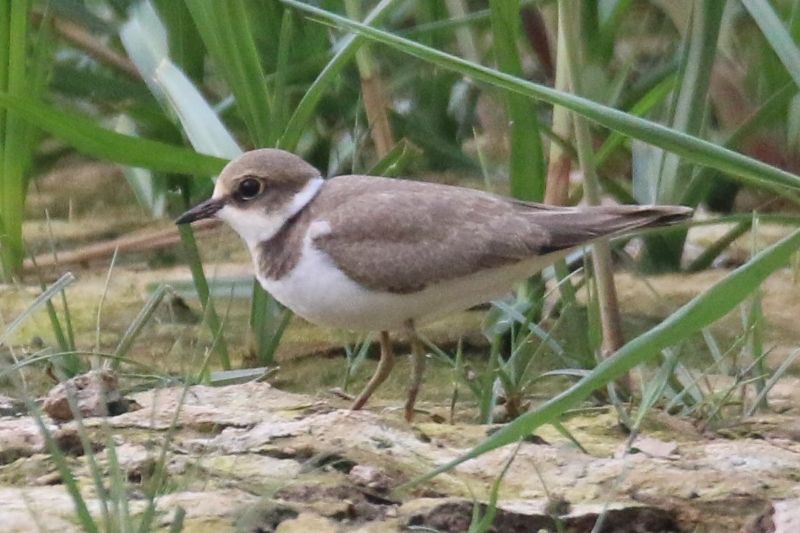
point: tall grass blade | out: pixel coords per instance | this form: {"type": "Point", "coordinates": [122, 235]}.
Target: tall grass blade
{"type": "Point", "coordinates": [183, 38]}
{"type": "Point", "coordinates": [690, 100]}
{"type": "Point", "coordinates": [663, 252]}
{"type": "Point", "coordinates": [14, 133]}
{"type": "Point", "coordinates": [201, 284]}
{"type": "Point", "coordinates": [85, 136]}
{"type": "Point", "coordinates": [777, 35]}
{"type": "Point", "coordinates": [280, 93]}
{"type": "Point", "coordinates": [346, 52]}
{"type": "Point", "coordinates": [117, 491]}
{"type": "Point", "coordinates": [718, 247]}
{"type": "Point", "coordinates": [640, 108]}
{"type": "Point", "coordinates": [483, 524]}
{"type": "Point", "coordinates": [393, 163]}
{"type": "Point", "coordinates": [768, 111]}
{"type": "Point", "coordinates": [526, 165]}
{"type": "Point", "coordinates": [150, 190]}
{"type": "Point", "coordinates": [70, 364]}
{"type": "Point", "coordinates": [145, 39]}
{"type": "Point", "coordinates": [225, 28]}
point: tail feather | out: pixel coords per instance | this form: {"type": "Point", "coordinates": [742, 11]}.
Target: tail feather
{"type": "Point", "coordinates": [572, 227]}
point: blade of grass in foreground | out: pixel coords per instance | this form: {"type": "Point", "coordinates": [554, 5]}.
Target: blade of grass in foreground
{"type": "Point", "coordinates": [692, 148]}
{"type": "Point", "coordinates": [62, 283]}
{"type": "Point", "coordinates": [201, 284]}
{"type": "Point", "coordinates": [702, 311]}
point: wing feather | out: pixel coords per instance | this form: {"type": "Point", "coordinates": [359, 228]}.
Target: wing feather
{"type": "Point", "coordinates": [401, 236]}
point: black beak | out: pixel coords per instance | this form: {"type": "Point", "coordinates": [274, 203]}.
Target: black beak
{"type": "Point", "coordinates": [206, 209]}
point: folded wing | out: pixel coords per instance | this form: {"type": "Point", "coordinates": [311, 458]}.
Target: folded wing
{"type": "Point", "coordinates": [401, 236]}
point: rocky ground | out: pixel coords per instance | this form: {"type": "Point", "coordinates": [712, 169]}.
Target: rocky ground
{"type": "Point", "coordinates": [252, 458]}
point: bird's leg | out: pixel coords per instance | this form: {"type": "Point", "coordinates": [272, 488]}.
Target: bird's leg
{"type": "Point", "coordinates": [385, 365]}
{"type": "Point", "coordinates": [418, 351]}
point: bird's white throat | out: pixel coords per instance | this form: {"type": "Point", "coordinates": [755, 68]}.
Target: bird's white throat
{"type": "Point", "coordinates": [258, 225]}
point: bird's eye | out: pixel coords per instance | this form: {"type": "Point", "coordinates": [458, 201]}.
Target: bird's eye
{"type": "Point", "coordinates": [249, 188]}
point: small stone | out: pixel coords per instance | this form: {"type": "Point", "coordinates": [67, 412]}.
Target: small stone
{"type": "Point", "coordinates": [51, 478]}
{"type": "Point", "coordinates": [11, 406]}
{"type": "Point", "coordinates": [651, 447]}
{"type": "Point", "coordinates": [370, 477]}
{"type": "Point", "coordinates": [19, 438]}
{"type": "Point", "coordinates": [265, 516]}
{"type": "Point", "coordinates": [92, 392]}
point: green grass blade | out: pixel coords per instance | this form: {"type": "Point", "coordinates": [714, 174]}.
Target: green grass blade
{"type": "Point", "coordinates": [396, 160]}
{"type": "Point", "coordinates": [526, 165]}
{"type": "Point", "coordinates": [201, 284]}
{"type": "Point", "coordinates": [228, 36]}
{"type": "Point", "coordinates": [483, 524]}
{"type": "Point", "coordinates": [345, 54]}
{"type": "Point", "coordinates": [145, 40]}
{"type": "Point", "coordinates": [183, 38]}
{"type": "Point", "coordinates": [779, 373]}
{"type": "Point", "coordinates": [690, 101]}
{"type": "Point", "coordinates": [117, 490]}
{"type": "Point", "coordinates": [665, 181]}
{"type": "Point", "coordinates": [95, 473]}
{"type": "Point", "coordinates": [706, 259]}
{"type": "Point", "coordinates": [777, 35]}
{"type": "Point", "coordinates": [135, 327]}
{"type": "Point", "coordinates": [280, 100]}
{"type": "Point", "coordinates": [267, 323]}
{"type": "Point", "coordinates": [150, 189]}
{"type": "Point", "coordinates": [694, 149]}
{"type": "Point", "coordinates": [14, 134]}
{"type": "Point", "coordinates": [651, 99]}
{"type": "Point", "coordinates": [701, 311]}
{"type": "Point", "coordinates": [62, 283]}
{"type": "Point", "coordinates": [65, 341]}
{"type": "Point", "coordinates": [767, 112]}
{"type": "Point", "coordinates": [85, 136]}
{"type": "Point", "coordinates": [32, 360]}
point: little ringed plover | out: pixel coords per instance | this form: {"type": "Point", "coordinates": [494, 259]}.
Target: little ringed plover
{"type": "Point", "coordinates": [378, 254]}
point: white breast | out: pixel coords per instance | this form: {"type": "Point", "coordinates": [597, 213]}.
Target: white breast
{"type": "Point", "coordinates": [321, 293]}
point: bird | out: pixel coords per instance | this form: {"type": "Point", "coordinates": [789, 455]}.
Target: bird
{"type": "Point", "coordinates": [375, 254]}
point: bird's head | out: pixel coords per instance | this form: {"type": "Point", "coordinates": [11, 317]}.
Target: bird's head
{"type": "Point", "coordinates": [258, 192]}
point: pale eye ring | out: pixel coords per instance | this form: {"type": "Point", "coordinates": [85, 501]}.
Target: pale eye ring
{"type": "Point", "coordinates": [249, 188]}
